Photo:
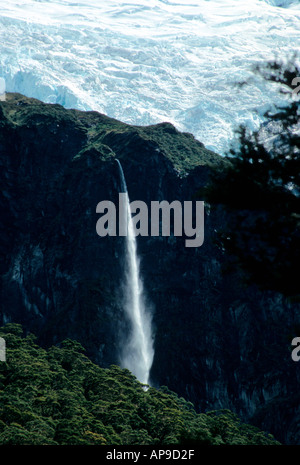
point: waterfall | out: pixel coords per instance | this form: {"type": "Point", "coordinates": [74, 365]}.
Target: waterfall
{"type": "Point", "coordinates": [138, 352]}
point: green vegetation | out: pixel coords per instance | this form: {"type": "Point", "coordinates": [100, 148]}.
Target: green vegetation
{"type": "Point", "coordinates": [98, 135]}
{"type": "Point", "coordinates": [59, 397]}
{"type": "Point", "coordinates": [259, 189]}
{"type": "Point", "coordinates": [181, 149]}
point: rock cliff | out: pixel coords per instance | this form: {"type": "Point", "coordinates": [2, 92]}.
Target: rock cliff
{"type": "Point", "coordinates": [219, 342]}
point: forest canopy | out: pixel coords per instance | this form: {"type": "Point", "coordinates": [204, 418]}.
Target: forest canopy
{"type": "Point", "coordinates": [57, 396]}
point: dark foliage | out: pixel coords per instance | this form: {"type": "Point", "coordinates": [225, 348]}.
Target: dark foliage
{"type": "Point", "coordinates": [59, 397]}
{"type": "Point", "coordinates": [259, 187]}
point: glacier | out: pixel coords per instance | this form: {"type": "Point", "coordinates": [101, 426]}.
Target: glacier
{"type": "Point", "coordinates": [148, 61]}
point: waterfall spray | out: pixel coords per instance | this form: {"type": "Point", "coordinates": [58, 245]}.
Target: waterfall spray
{"type": "Point", "coordinates": [138, 352]}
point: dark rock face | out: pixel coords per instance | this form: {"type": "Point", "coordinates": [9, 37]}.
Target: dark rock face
{"type": "Point", "coordinates": [218, 342]}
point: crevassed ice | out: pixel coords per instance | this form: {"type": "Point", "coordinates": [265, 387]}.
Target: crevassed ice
{"type": "Point", "coordinates": [147, 61]}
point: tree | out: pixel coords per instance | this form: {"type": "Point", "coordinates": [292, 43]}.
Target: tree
{"type": "Point", "coordinates": [259, 187]}
{"type": "Point", "coordinates": [89, 405]}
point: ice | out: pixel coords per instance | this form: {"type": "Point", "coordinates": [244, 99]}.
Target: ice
{"type": "Point", "coordinates": [147, 61]}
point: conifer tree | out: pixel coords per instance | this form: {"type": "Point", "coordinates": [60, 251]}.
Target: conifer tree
{"type": "Point", "coordinates": [259, 187]}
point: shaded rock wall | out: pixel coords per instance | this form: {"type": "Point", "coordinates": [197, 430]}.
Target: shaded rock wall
{"type": "Point", "coordinates": [218, 342]}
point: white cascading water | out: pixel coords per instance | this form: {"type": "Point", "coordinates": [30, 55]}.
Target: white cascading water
{"type": "Point", "coordinates": [138, 352]}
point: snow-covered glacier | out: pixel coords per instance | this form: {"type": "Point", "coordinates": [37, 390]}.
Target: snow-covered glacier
{"type": "Point", "coordinates": [147, 61]}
